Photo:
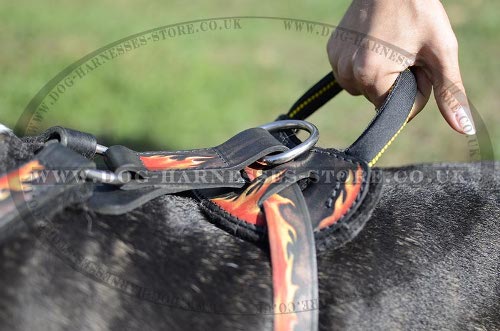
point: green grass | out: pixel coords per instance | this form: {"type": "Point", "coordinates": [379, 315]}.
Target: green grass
{"type": "Point", "coordinates": [198, 90]}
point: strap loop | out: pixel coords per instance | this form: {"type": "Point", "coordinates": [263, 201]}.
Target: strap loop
{"type": "Point", "coordinates": [297, 150]}
{"type": "Point", "coordinates": [81, 142]}
{"type": "Point", "coordinates": [391, 117]}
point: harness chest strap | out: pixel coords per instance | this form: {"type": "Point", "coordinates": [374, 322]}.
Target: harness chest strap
{"type": "Point", "coordinates": [293, 260]}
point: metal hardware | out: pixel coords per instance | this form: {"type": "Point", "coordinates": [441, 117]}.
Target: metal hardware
{"type": "Point", "coordinates": [297, 150]}
{"type": "Point", "coordinates": [106, 177]}
{"type": "Point", "coordinates": [100, 149]}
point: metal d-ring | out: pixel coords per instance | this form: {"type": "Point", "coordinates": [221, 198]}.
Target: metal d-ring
{"type": "Point", "coordinates": [297, 150]}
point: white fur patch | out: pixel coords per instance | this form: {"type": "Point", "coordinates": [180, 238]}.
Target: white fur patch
{"type": "Point", "coordinates": [4, 129]}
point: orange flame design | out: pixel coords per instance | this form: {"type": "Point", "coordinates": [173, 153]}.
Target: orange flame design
{"type": "Point", "coordinates": [17, 180]}
{"type": "Point", "coordinates": [253, 173]}
{"type": "Point", "coordinates": [246, 205]}
{"type": "Point", "coordinates": [281, 235]}
{"type": "Point", "coordinates": [344, 202]}
{"type": "Point", "coordinates": [164, 162]}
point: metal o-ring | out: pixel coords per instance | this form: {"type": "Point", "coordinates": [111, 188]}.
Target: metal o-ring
{"type": "Point", "coordinates": [297, 150]}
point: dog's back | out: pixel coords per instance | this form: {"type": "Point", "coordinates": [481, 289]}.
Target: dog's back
{"type": "Point", "coordinates": [427, 259]}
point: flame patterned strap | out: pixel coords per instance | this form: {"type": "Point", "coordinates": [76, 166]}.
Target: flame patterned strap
{"type": "Point", "coordinates": [334, 186]}
{"type": "Point", "coordinates": [176, 171]}
{"type": "Point", "coordinates": [273, 204]}
{"type": "Point", "coordinates": [42, 186]}
{"type": "Point", "coordinates": [293, 259]}
{"type": "Point", "coordinates": [224, 160]}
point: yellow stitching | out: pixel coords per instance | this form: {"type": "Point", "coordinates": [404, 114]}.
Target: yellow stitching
{"type": "Point", "coordinates": [375, 159]}
{"type": "Point", "coordinates": [311, 98]}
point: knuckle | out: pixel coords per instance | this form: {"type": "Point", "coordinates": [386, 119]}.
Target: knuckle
{"type": "Point", "coordinates": [351, 90]}
{"type": "Point", "coordinates": [366, 74]}
{"type": "Point", "coordinates": [449, 45]}
{"type": "Point", "coordinates": [344, 78]}
{"type": "Point", "coordinates": [344, 70]}
{"type": "Point", "coordinates": [331, 50]}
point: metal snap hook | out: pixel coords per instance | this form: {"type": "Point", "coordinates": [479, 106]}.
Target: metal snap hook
{"type": "Point", "coordinates": [297, 150]}
{"type": "Point", "coordinates": [105, 177]}
{"type": "Point", "coordinates": [100, 149]}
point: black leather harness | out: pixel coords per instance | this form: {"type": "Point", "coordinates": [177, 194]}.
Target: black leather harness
{"type": "Point", "coordinates": [245, 185]}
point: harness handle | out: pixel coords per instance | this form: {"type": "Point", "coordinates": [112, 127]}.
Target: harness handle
{"type": "Point", "coordinates": [390, 119]}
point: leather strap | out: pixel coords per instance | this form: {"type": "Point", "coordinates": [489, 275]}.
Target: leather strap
{"type": "Point", "coordinates": [281, 205]}
{"type": "Point", "coordinates": [239, 151]}
{"type": "Point", "coordinates": [168, 172]}
{"type": "Point", "coordinates": [42, 187]}
{"type": "Point", "coordinates": [293, 259]}
{"type": "Point", "coordinates": [334, 186]}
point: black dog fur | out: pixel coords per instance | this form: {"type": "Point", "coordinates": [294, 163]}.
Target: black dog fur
{"type": "Point", "coordinates": [428, 259]}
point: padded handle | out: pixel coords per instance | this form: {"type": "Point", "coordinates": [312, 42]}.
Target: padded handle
{"type": "Point", "coordinates": [391, 117]}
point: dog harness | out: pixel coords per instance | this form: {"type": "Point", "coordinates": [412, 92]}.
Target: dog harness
{"type": "Point", "coordinates": [263, 185]}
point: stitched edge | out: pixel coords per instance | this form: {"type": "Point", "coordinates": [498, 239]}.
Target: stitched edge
{"type": "Point", "coordinates": [342, 219]}
{"type": "Point", "coordinates": [259, 230]}
{"type": "Point", "coordinates": [219, 154]}
{"type": "Point", "coordinates": [338, 237]}
{"type": "Point", "coordinates": [379, 154]}
{"type": "Point", "coordinates": [192, 152]}
{"type": "Point", "coordinates": [297, 109]}
{"type": "Point", "coordinates": [255, 231]}
{"type": "Point", "coordinates": [386, 101]}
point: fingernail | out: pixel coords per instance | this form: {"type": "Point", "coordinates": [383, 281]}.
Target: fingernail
{"type": "Point", "coordinates": [464, 120]}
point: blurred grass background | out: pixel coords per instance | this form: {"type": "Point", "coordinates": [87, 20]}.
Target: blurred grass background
{"type": "Point", "coordinates": [197, 90]}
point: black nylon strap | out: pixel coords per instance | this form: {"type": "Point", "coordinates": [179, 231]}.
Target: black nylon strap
{"type": "Point", "coordinates": [390, 119]}
{"type": "Point", "coordinates": [322, 92]}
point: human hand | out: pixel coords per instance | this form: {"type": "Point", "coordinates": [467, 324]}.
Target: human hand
{"type": "Point", "coordinates": [377, 39]}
